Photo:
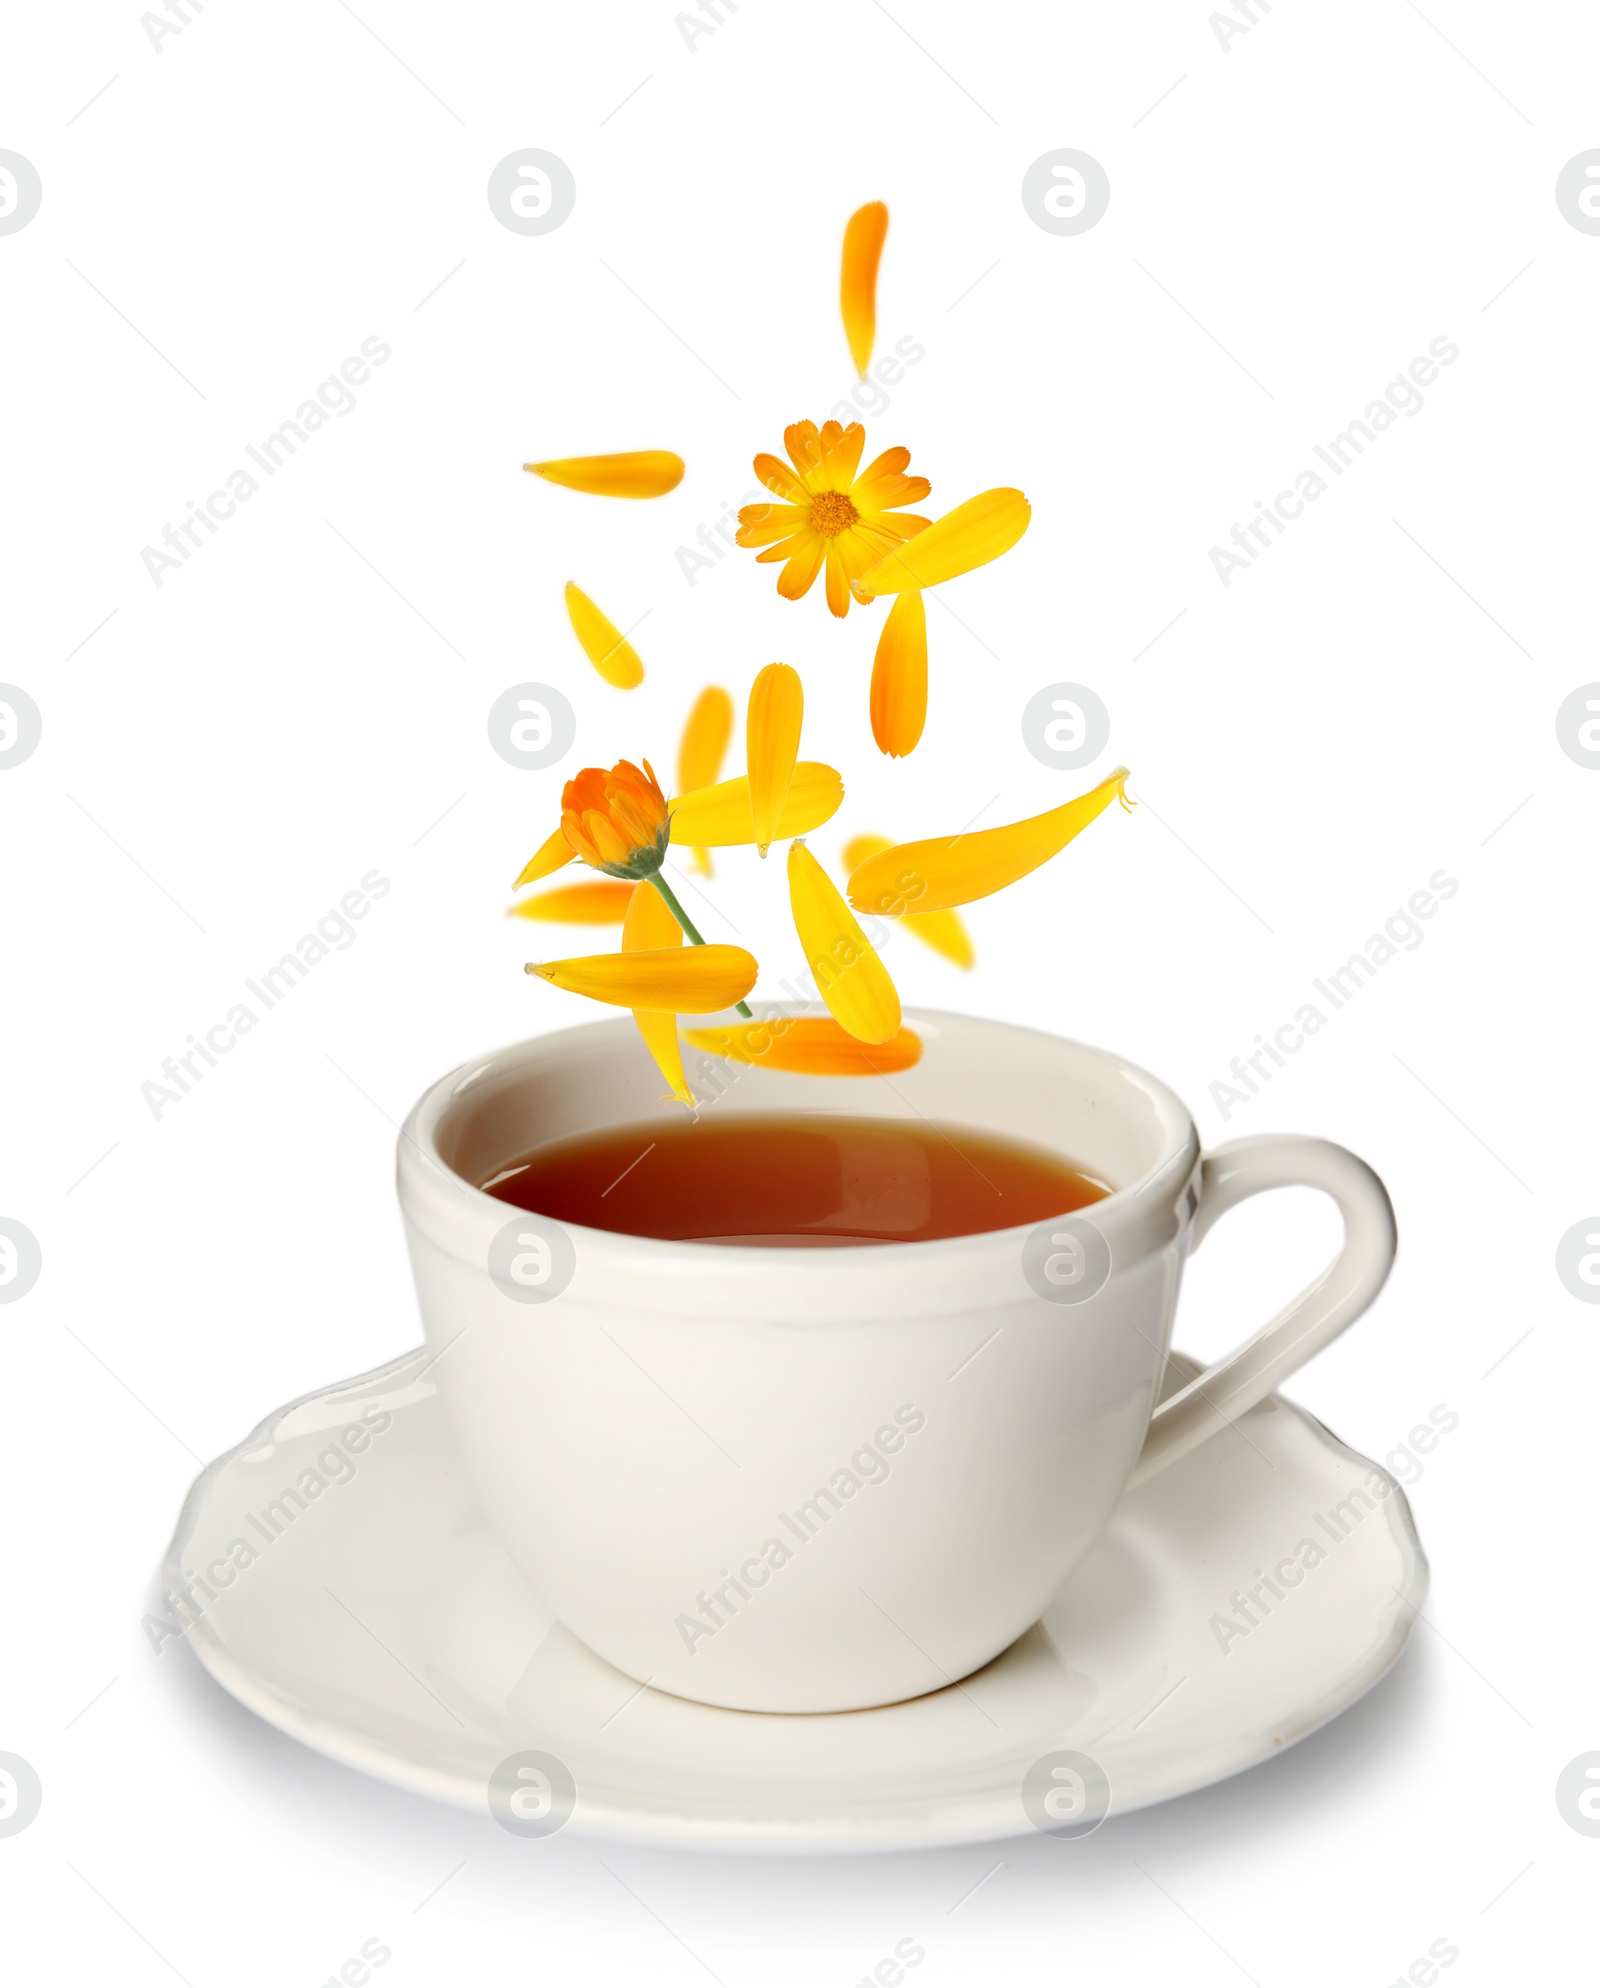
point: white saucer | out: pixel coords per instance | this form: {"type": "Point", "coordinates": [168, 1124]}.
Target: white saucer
{"type": "Point", "coordinates": [387, 1628]}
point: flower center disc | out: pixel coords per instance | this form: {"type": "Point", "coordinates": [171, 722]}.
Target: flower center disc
{"type": "Point", "coordinates": [832, 513]}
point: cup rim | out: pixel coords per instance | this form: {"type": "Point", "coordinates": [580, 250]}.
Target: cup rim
{"type": "Point", "coordinates": [1138, 1213]}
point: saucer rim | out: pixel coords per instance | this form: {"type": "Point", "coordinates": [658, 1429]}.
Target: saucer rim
{"type": "Point", "coordinates": [984, 1818]}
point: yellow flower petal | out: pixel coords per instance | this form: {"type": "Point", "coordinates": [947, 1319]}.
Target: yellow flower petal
{"type": "Point", "coordinates": [942, 930]}
{"type": "Point", "coordinates": [772, 745]}
{"type": "Point", "coordinates": [705, 740]}
{"type": "Point", "coordinates": [853, 982]}
{"type": "Point", "coordinates": [811, 1045]}
{"type": "Point", "coordinates": [687, 980]}
{"type": "Point", "coordinates": [858, 279]}
{"type": "Point", "coordinates": [956, 869]}
{"type": "Point", "coordinates": [551, 855]}
{"type": "Point", "coordinates": [899, 699]}
{"type": "Point", "coordinates": [639, 473]}
{"type": "Point", "coordinates": [718, 817]}
{"type": "Point", "coordinates": [971, 535]}
{"type": "Point", "coordinates": [651, 927]}
{"type": "Point", "coordinates": [616, 660]}
{"type": "Point", "coordinates": [578, 904]}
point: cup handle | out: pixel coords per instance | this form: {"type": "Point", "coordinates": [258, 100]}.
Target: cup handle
{"type": "Point", "coordinates": [1233, 1173]}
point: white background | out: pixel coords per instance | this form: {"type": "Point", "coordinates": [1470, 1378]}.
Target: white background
{"type": "Point", "coordinates": [224, 756]}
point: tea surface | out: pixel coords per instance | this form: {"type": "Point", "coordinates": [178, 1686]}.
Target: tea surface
{"type": "Point", "coordinates": [795, 1179]}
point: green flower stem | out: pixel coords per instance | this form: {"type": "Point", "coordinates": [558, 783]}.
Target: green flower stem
{"type": "Point", "coordinates": [689, 932]}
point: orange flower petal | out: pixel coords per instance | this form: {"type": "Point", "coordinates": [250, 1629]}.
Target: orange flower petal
{"type": "Point", "coordinates": [651, 927]}
{"type": "Point", "coordinates": [804, 444]}
{"type": "Point", "coordinates": [549, 857]}
{"type": "Point", "coordinates": [772, 746]}
{"type": "Point", "coordinates": [957, 869]}
{"type": "Point", "coordinates": [899, 699]}
{"type": "Point", "coordinates": [858, 279]}
{"type": "Point", "coordinates": [971, 535]}
{"type": "Point", "coordinates": [811, 1045]}
{"type": "Point", "coordinates": [639, 473]}
{"type": "Point", "coordinates": [578, 904]}
{"type": "Point", "coordinates": [853, 982]}
{"type": "Point", "coordinates": [721, 816]}
{"type": "Point", "coordinates": [680, 980]}
{"type": "Point", "coordinates": [781, 479]}
{"type": "Point", "coordinates": [796, 577]}
{"type": "Point", "coordinates": [615, 659]}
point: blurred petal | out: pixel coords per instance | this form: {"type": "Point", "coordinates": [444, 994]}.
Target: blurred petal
{"type": "Point", "coordinates": [971, 535]}
{"type": "Point", "coordinates": [549, 857]}
{"type": "Point", "coordinates": [650, 927]}
{"type": "Point", "coordinates": [813, 1045]}
{"type": "Point", "coordinates": [956, 869]}
{"type": "Point", "coordinates": [705, 739]}
{"type": "Point", "coordinates": [772, 745]}
{"type": "Point", "coordinates": [900, 677]}
{"type": "Point", "coordinates": [640, 473]}
{"type": "Point", "coordinates": [853, 982]}
{"type": "Point", "coordinates": [858, 279]}
{"type": "Point", "coordinates": [943, 930]}
{"type": "Point", "coordinates": [718, 817]}
{"type": "Point", "coordinates": [616, 660]}
{"type": "Point", "coordinates": [680, 980]}
{"type": "Point", "coordinates": [578, 904]}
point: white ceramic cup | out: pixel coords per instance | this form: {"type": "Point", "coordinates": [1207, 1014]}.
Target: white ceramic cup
{"type": "Point", "coordinates": [815, 1479]}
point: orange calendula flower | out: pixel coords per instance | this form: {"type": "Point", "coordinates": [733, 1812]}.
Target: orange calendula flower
{"type": "Point", "coordinates": [700, 751]}
{"type": "Point", "coordinates": [957, 869]}
{"type": "Point", "coordinates": [971, 535]}
{"type": "Point", "coordinates": [650, 927]}
{"type": "Point", "coordinates": [578, 904]}
{"type": "Point", "coordinates": [853, 982]}
{"type": "Point", "coordinates": [810, 1045]}
{"type": "Point", "coordinates": [718, 817]}
{"type": "Point", "coordinates": [942, 930]}
{"type": "Point", "coordinates": [638, 473]}
{"type": "Point", "coordinates": [830, 515]}
{"type": "Point", "coordinates": [603, 643]}
{"type": "Point", "coordinates": [858, 279]}
{"type": "Point", "coordinates": [676, 980]}
{"type": "Point", "coordinates": [899, 696]}
{"type": "Point", "coordinates": [616, 821]}
{"type": "Point", "coordinates": [772, 746]}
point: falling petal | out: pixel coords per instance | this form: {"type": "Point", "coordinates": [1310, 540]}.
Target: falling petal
{"type": "Point", "coordinates": [651, 927]}
{"type": "Point", "coordinates": [705, 740]}
{"type": "Point", "coordinates": [640, 473]}
{"type": "Point", "coordinates": [772, 745]}
{"type": "Point", "coordinates": [578, 904]}
{"type": "Point", "coordinates": [549, 857]}
{"type": "Point", "coordinates": [718, 817]}
{"type": "Point", "coordinates": [899, 698]}
{"type": "Point", "coordinates": [943, 930]}
{"type": "Point", "coordinates": [615, 659]}
{"type": "Point", "coordinates": [853, 982]}
{"type": "Point", "coordinates": [971, 535]}
{"type": "Point", "coordinates": [689, 980]}
{"type": "Point", "coordinates": [957, 869]}
{"type": "Point", "coordinates": [811, 1045]}
{"type": "Point", "coordinates": [858, 279]}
